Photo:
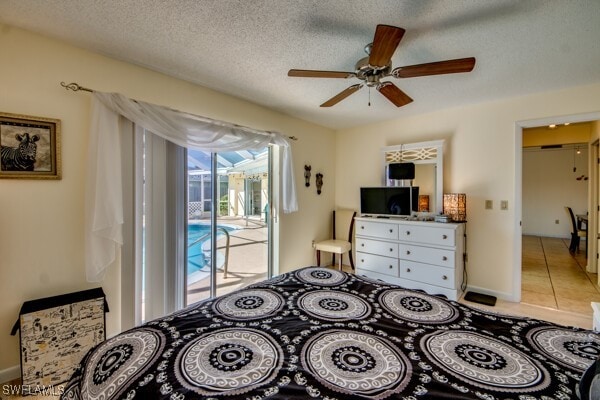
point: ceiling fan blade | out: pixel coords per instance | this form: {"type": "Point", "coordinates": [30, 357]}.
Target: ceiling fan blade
{"type": "Point", "coordinates": [342, 95]}
{"type": "Point", "coordinates": [309, 73]}
{"type": "Point", "coordinates": [385, 43]}
{"type": "Point", "coordinates": [435, 68]}
{"type": "Point", "coordinates": [394, 94]}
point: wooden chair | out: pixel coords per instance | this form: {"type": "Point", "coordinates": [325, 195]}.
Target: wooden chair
{"type": "Point", "coordinates": [576, 233]}
{"type": "Point", "coordinates": [343, 227]}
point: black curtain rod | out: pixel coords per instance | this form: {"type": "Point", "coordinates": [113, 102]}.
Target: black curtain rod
{"type": "Point", "coordinates": [77, 87]}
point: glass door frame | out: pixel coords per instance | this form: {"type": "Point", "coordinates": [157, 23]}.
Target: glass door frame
{"type": "Point", "coordinates": [215, 208]}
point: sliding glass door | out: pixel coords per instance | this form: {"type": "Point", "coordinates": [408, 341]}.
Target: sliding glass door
{"type": "Point", "coordinates": [228, 221]}
{"type": "Point", "coordinates": [200, 223]}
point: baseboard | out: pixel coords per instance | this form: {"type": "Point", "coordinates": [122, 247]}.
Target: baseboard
{"type": "Point", "coordinates": [10, 374]}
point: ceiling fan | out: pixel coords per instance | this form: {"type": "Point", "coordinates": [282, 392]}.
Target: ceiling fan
{"type": "Point", "coordinates": [378, 65]}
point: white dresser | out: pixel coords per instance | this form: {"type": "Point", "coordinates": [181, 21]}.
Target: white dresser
{"type": "Point", "coordinates": [412, 254]}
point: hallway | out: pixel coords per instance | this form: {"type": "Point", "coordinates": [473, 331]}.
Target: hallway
{"type": "Point", "coordinates": [552, 277]}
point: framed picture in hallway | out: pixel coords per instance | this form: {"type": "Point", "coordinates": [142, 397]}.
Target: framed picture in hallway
{"type": "Point", "coordinates": [29, 147]}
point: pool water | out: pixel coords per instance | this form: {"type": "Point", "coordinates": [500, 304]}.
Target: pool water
{"type": "Point", "coordinates": [199, 254]}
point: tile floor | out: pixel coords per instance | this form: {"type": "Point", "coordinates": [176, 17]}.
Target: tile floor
{"type": "Point", "coordinates": [552, 277]}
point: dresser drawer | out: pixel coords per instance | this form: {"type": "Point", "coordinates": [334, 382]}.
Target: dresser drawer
{"type": "Point", "coordinates": [431, 274]}
{"type": "Point", "coordinates": [379, 264]}
{"type": "Point", "coordinates": [428, 255]}
{"type": "Point", "coordinates": [377, 230]}
{"type": "Point", "coordinates": [426, 234]}
{"type": "Point", "coordinates": [387, 249]}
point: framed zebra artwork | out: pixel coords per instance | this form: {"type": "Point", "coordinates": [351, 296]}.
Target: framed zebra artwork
{"type": "Point", "coordinates": [29, 147]}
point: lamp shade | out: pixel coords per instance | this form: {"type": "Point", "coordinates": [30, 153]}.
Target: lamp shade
{"type": "Point", "coordinates": [455, 206]}
{"type": "Point", "coordinates": [423, 203]}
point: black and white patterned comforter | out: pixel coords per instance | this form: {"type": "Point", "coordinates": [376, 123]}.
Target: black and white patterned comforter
{"type": "Point", "coordinates": [319, 333]}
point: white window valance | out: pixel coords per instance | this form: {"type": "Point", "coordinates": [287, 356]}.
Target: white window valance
{"type": "Point", "coordinates": [104, 196]}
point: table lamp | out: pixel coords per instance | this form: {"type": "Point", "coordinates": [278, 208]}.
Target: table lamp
{"type": "Point", "coordinates": [455, 206]}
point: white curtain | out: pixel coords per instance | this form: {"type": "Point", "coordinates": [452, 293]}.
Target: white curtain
{"type": "Point", "coordinates": [104, 198]}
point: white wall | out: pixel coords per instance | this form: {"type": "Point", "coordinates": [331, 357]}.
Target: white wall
{"type": "Point", "coordinates": [479, 160]}
{"type": "Point", "coordinates": [549, 184]}
{"type": "Point", "coordinates": [41, 222]}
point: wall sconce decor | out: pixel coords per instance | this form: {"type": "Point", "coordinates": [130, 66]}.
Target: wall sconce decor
{"type": "Point", "coordinates": [423, 203]}
{"type": "Point", "coordinates": [319, 182]}
{"type": "Point", "coordinates": [307, 169]}
{"type": "Point", "coordinates": [455, 206]}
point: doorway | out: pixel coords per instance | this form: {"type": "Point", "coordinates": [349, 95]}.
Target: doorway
{"type": "Point", "coordinates": [554, 229]}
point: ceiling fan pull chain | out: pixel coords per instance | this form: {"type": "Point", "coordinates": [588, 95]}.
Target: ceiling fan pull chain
{"type": "Point", "coordinates": [369, 96]}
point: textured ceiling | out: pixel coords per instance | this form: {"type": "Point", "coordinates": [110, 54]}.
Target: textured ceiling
{"type": "Point", "coordinates": [245, 48]}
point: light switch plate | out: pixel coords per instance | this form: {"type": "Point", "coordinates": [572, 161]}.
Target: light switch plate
{"type": "Point", "coordinates": [489, 204]}
{"type": "Point", "coordinates": [504, 204]}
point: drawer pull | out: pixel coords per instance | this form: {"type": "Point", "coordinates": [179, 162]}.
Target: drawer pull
{"type": "Point", "coordinates": [362, 245]}
{"type": "Point", "coordinates": [362, 260]}
{"type": "Point", "coordinates": [407, 269]}
{"type": "Point", "coordinates": [391, 231]}
{"type": "Point", "coordinates": [445, 258]}
{"type": "Point", "coordinates": [444, 236]}
{"type": "Point", "coordinates": [407, 233]}
{"type": "Point", "coordinates": [445, 277]}
{"type": "Point", "coordinates": [407, 252]}
{"type": "Point", "coordinates": [362, 227]}
{"type": "Point", "coordinates": [391, 249]}
{"type": "Point", "coordinates": [391, 266]}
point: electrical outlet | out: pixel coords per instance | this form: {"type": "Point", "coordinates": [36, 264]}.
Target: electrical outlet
{"type": "Point", "coordinates": [556, 221]}
{"type": "Point", "coordinates": [489, 204]}
{"type": "Point", "coordinates": [504, 204]}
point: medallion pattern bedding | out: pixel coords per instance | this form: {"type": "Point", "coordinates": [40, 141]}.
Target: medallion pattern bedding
{"type": "Point", "coordinates": [324, 334]}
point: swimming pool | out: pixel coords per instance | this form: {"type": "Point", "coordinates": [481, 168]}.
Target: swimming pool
{"type": "Point", "coordinates": [199, 253]}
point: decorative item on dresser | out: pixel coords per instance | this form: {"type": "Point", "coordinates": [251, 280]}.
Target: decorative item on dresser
{"type": "Point", "coordinates": [455, 206]}
{"type": "Point", "coordinates": [413, 254]}
{"type": "Point", "coordinates": [423, 203]}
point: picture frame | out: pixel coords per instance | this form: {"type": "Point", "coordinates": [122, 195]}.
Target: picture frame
{"type": "Point", "coordinates": [30, 147]}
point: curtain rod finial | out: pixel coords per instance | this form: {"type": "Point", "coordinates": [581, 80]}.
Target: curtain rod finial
{"type": "Point", "coordinates": [74, 87]}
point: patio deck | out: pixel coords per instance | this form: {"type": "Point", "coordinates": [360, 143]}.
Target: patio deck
{"type": "Point", "coordinates": [248, 255]}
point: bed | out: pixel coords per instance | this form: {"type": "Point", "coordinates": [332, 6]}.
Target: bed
{"type": "Point", "coordinates": [325, 334]}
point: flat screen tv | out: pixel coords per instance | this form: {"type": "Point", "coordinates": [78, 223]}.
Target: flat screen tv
{"type": "Point", "coordinates": [389, 200]}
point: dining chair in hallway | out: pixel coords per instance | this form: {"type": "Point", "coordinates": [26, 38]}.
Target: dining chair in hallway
{"type": "Point", "coordinates": [576, 233]}
{"type": "Point", "coordinates": [341, 242]}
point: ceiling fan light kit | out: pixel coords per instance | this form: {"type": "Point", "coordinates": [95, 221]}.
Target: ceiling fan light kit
{"type": "Point", "coordinates": [378, 65]}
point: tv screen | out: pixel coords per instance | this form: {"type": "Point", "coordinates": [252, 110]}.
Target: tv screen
{"type": "Point", "coordinates": [388, 200]}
